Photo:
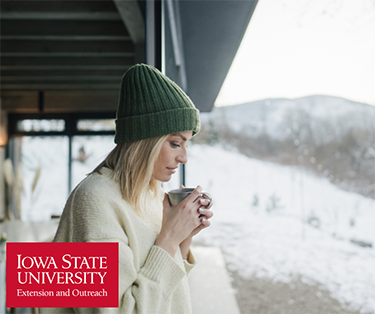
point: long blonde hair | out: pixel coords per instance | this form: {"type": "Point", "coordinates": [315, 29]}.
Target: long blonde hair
{"type": "Point", "coordinates": [133, 165]}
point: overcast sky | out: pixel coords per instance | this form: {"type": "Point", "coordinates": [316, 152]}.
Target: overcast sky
{"type": "Point", "coordinates": [296, 48]}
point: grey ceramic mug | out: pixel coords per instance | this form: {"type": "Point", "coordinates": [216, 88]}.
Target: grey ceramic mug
{"type": "Point", "coordinates": [176, 196]}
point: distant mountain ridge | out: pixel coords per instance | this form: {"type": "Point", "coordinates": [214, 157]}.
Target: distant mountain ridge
{"type": "Point", "coordinates": [267, 114]}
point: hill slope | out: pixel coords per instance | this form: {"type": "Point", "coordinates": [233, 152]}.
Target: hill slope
{"type": "Point", "coordinates": [300, 225]}
{"type": "Point", "coordinates": [268, 114]}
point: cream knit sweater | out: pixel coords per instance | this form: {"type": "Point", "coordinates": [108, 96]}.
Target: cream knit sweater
{"type": "Point", "coordinates": [151, 281]}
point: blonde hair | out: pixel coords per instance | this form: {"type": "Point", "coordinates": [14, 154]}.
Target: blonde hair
{"type": "Point", "coordinates": [133, 165]}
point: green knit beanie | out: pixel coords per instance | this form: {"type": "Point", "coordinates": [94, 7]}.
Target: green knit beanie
{"type": "Point", "coordinates": [152, 105]}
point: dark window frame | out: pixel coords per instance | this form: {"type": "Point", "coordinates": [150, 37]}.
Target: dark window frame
{"type": "Point", "coordinates": [71, 130]}
{"type": "Point", "coordinates": [71, 120]}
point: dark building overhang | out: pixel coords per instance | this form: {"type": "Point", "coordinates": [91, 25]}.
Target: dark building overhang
{"type": "Point", "coordinates": [69, 56]}
{"type": "Point", "coordinates": [212, 32]}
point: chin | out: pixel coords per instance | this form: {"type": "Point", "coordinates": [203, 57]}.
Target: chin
{"type": "Point", "coordinates": [166, 179]}
{"type": "Point", "coordinates": [163, 178]}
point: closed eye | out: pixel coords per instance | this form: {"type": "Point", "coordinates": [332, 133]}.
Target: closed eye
{"type": "Point", "coordinates": [175, 144]}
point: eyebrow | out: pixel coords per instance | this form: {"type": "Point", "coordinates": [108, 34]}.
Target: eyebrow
{"type": "Point", "coordinates": [180, 135]}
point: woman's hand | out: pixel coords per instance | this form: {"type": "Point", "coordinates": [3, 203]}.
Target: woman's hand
{"type": "Point", "coordinates": [204, 211]}
{"type": "Point", "coordinates": [181, 221]}
{"type": "Point", "coordinates": [205, 215]}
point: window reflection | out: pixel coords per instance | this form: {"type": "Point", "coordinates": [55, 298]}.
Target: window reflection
{"type": "Point", "coordinates": [96, 125]}
{"type": "Point", "coordinates": [44, 125]}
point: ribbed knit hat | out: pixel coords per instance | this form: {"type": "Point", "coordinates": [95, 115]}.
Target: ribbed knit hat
{"type": "Point", "coordinates": [152, 105]}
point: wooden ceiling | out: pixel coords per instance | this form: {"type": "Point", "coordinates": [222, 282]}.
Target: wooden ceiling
{"type": "Point", "coordinates": [67, 56]}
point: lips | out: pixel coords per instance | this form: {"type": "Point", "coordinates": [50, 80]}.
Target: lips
{"type": "Point", "coordinates": [172, 170]}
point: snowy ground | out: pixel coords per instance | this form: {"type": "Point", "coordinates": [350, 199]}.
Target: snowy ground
{"type": "Point", "coordinates": [261, 217]}
{"type": "Point", "coordinates": [276, 241]}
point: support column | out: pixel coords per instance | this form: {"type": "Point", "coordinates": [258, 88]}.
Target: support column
{"type": "Point", "coordinates": [153, 33]}
{"type": "Point", "coordinates": [2, 184]}
{"type": "Point", "coordinates": [3, 142]}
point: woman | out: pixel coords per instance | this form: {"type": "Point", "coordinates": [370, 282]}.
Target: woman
{"type": "Point", "coordinates": [122, 200]}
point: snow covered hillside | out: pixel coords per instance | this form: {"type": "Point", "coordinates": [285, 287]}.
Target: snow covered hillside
{"type": "Point", "coordinates": [270, 220]}
{"type": "Point", "coordinates": [330, 136]}
{"type": "Point", "coordinates": [279, 222]}
{"type": "Point", "coordinates": [269, 114]}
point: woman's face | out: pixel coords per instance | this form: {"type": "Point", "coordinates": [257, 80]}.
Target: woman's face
{"type": "Point", "coordinates": [172, 153]}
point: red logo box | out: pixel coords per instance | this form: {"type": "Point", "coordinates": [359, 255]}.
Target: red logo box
{"type": "Point", "coordinates": [62, 274]}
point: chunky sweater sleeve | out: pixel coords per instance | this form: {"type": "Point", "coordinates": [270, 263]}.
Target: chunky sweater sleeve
{"type": "Point", "coordinates": [189, 263]}
{"type": "Point", "coordinates": [94, 215]}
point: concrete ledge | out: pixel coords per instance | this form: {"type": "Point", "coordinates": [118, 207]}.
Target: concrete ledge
{"type": "Point", "coordinates": [211, 289]}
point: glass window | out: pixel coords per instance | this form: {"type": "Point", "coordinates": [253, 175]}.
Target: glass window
{"type": "Point", "coordinates": [44, 125]}
{"type": "Point", "coordinates": [96, 125]}
{"type": "Point", "coordinates": [87, 153]}
{"type": "Point", "coordinates": [41, 173]}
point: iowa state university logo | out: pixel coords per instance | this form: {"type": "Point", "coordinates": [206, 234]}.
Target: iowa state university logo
{"type": "Point", "coordinates": [62, 274]}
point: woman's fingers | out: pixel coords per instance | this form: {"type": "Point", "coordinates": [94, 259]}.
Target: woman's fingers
{"type": "Point", "coordinates": [205, 222]}
{"type": "Point", "coordinates": [190, 211]}
{"type": "Point", "coordinates": [193, 196]}
{"type": "Point", "coordinates": [166, 204]}
{"type": "Point", "coordinates": [205, 202]}
{"type": "Point", "coordinates": [205, 212]}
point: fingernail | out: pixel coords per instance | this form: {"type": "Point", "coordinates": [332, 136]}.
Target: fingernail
{"type": "Point", "coordinates": [199, 188]}
{"type": "Point", "coordinates": [201, 210]}
{"type": "Point", "coordinates": [204, 219]}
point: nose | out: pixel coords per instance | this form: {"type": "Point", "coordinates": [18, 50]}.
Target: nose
{"type": "Point", "coordinates": [182, 157]}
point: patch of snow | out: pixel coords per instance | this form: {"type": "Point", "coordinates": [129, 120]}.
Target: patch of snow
{"type": "Point", "coordinates": [277, 241]}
